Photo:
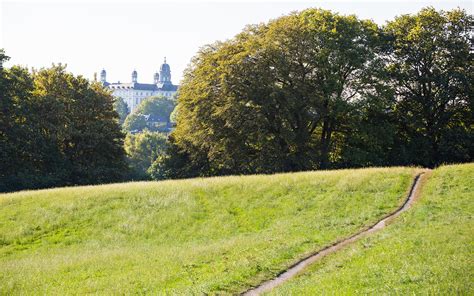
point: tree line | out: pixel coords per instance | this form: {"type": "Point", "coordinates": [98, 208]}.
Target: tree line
{"type": "Point", "coordinates": [57, 129]}
{"type": "Point", "coordinates": [318, 90]}
{"type": "Point", "coordinates": [310, 90]}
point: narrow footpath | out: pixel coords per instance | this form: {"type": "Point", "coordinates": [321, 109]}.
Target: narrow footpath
{"type": "Point", "coordinates": [300, 265]}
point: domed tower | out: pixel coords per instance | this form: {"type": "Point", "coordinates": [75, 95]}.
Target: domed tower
{"type": "Point", "coordinates": [156, 78]}
{"type": "Point", "coordinates": [165, 73]}
{"type": "Point", "coordinates": [103, 75]}
{"type": "Point", "coordinates": [134, 76]}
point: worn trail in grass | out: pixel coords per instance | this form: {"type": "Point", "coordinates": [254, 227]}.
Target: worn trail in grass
{"type": "Point", "coordinates": [304, 263]}
{"type": "Point", "coordinates": [191, 236]}
{"type": "Point", "coordinates": [427, 250]}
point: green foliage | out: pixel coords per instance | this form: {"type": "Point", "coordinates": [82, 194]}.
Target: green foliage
{"type": "Point", "coordinates": [426, 251]}
{"type": "Point", "coordinates": [174, 115]}
{"type": "Point", "coordinates": [135, 122]}
{"type": "Point", "coordinates": [188, 237]}
{"type": "Point", "coordinates": [18, 125]}
{"type": "Point", "coordinates": [316, 89]}
{"type": "Point", "coordinates": [121, 108]}
{"type": "Point", "coordinates": [143, 149]}
{"type": "Point", "coordinates": [158, 105]}
{"type": "Point", "coordinates": [173, 164]}
{"type": "Point", "coordinates": [57, 129]}
{"type": "Point", "coordinates": [432, 70]}
{"type": "Point", "coordinates": [158, 108]}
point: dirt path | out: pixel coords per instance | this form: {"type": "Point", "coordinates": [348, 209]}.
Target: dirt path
{"type": "Point", "coordinates": [299, 266]}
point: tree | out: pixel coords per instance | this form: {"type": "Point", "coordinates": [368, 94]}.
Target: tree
{"type": "Point", "coordinates": [82, 124]}
{"type": "Point", "coordinates": [157, 109]}
{"type": "Point", "coordinates": [431, 69]}
{"type": "Point", "coordinates": [18, 164]}
{"type": "Point", "coordinates": [175, 164]}
{"type": "Point", "coordinates": [134, 122]}
{"type": "Point", "coordinates": [272, 98]}
{"type": "Point", "coordinates": [57, 129]}
{"type": "Point", "coordinates": [142, 150]}
{"type": "Point", "coordinates": [121, 108]}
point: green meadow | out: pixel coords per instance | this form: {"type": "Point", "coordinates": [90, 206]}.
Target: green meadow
{"type": "Point", "coordinates": [428, 250]}
{"type": "Point", "coordinates": [223, 235]}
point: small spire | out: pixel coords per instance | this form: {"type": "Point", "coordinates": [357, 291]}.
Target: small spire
{"type": "Point", "coordinates": [165, 60]}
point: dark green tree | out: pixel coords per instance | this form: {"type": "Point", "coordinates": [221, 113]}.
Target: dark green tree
{"type": "Point", "coordinates": [83, 125]}
{"type": "Point", "coordinates": [57, 129]}
{"type": "Point", "coordinates": [19, 141]}
{"type": "Point", "coordinates": [431, 68]}
{"type": "Point", "coordinates": [174, 163]}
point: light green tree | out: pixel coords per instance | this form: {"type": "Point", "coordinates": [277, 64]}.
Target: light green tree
{"type": "Point", "coordinates": [142, 150]}
{"type": "Point", "coordinates": [158, 107]}
{"type": "Point", "coordinates": [121, 108]}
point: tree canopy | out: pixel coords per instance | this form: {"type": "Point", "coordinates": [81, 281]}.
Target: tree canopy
{"type": "Point", "coordinates": [316, 89]}
{"type": "Point", "coordinates": [430, 66]}
{"type": "Point", "coordinates": [57, 129]}
{"type": "Point", "coordinates": [156, 109]}
{"type": "Point", "coordinates": [121, 108]}
{"type": "Point", "coordinates": [309, 90]}
{"type": "Point", "coordinates": [142, 150]}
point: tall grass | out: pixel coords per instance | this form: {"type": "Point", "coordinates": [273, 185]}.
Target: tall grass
{"type": "Point", "coordinates": [214, 235]}
{"type": "Point", "coordinates": [428, 250]}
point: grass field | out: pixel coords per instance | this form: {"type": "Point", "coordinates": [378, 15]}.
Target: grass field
{"type": "Point", "coordinates": [426, 251]}
{"type": "Point", "coordinates": [215, 235]}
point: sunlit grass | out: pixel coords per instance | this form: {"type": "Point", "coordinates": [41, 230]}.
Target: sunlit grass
{"type": "Point", "coordinates": [214, 235]}
{"type": "Point", "coordinates": [426, 251]}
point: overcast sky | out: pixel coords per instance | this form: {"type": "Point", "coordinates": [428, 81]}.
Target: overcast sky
{"type": "Point", "coordinates": [121, 36]}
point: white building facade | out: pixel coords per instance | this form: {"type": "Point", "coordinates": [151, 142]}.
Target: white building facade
{"type": "Point", "coordinates": [133, 92]}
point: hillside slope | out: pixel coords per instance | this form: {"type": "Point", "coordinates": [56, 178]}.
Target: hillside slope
{"type": "Point", "coordinates": [190, 236]}
{"type": "Point", "coordinates": [427, 251]}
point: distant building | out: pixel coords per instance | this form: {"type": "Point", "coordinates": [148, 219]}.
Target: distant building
{"type": "Point", "coordinates": [133, 92]}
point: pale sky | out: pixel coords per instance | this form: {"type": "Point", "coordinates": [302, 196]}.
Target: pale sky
{"type": "Point", "coordinates": [121, 36]}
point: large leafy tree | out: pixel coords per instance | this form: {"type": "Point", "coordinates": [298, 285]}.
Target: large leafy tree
{"type": "Point", "coordinates": [18, 138]}
{"type": "Point", "coordinates": [82, 124]}
{"type": "Point", "coordinates": [59, 129]}
{"type": "Point", "coordinates": [272, 98]}
{"type": "Point", "coordinates": [431, 68]}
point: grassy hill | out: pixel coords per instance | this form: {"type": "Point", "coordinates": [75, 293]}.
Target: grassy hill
{"type": "Point", "coordinates": [190, 236]}
{"type": "Point", "coordinates": [426, 251]}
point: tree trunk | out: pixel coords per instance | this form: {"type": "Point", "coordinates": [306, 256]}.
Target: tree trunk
{"type": "Point", "coordinates": [325, 143]}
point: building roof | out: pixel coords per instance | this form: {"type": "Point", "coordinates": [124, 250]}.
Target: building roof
{"type": "Point", "coordinates": [167, 86]}
{"type": "Point", "coordinates": [143, 86]}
